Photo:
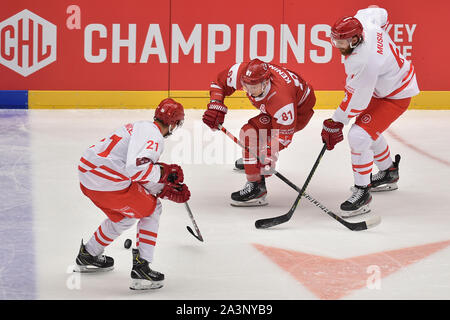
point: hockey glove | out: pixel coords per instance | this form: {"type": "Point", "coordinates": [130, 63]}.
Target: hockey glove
{"type": "Point", "coordinates": [332, 133]}
{"type": "Point", "coordinates": [215, 114]}
{"type": "Point", "coordinates": [170, 173]}
{"type": "Point", "coordinates": [178, 193]}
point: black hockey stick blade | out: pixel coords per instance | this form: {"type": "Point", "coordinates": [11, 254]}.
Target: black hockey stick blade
{"type": "Point", "coordinates": [359, 226]}
{"type": "Point", "coordinates": [270, 222]}
{"type": "Point", "coordinates": [354, 226]}
{"type": "Point", "coordinates": [199, 236]}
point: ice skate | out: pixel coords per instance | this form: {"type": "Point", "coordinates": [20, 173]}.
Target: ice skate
{"type": "Point", "coordinates": [386, 180]}
{"type": "Point", "coordinates": [239, 165]}
{"type": "Point", "coordinates": [252, 195]}
{"type": "Point", "coordinates": [358, 203]}
{"type": "Point", "coordinates": [142, 277]}
{"type": "Point", "coordinates": [86, 262]}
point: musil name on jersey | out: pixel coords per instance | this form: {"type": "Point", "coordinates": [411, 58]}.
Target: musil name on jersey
{"type": "Point", "coordinates": [134, 43]}
{"type": "Point", "coordinates": [379, 43]}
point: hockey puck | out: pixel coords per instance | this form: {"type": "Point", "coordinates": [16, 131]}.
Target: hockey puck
{"type": "Point", "coordinates": [127, 243]}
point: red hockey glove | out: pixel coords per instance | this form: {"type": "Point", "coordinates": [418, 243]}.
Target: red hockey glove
{"type": "Point", "coordinates": [171, 173]}
{"type": "Point", "coordinates": [178, 193]}
{"type": "Point", "coordinates": [332, 133]}
{"type": "Point", "coordinates": [215, 114]}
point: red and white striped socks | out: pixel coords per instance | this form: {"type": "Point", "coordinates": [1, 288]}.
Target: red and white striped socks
{"type": "Point", "coordinates": [381, 154]}
{"type": "Point", "coordinates": [147, 232]}
{"type": "Point", "coordinates": [106, 233]}
{"type": "Point", "coordinates": [365, 152]}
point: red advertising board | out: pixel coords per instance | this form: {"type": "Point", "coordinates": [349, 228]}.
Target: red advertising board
{"type": "Point", "coordinates": [181, 45]}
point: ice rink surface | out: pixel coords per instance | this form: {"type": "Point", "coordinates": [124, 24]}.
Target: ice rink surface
{"type": "Point", "coordinates": [44, 216]}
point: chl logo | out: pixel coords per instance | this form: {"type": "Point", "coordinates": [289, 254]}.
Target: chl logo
{"type": "Point", "coordinates": [264, 119]}
{"type": "Point", "coordinates": [366, 118]}
{"type": "Point", "coordinates": [27, 43]}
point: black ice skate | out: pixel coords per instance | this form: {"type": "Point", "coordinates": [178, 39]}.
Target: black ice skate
{"type": "Point", "coordinates": [239, 165]}
{"type": "Point", "coordinates": [142, 277]}
{"type": "Point", "coordinates": [252, 195]}
{"type": "Point", "coordinates": [386, 180]}
{"type": "Point", "coordinates": [358, 203]}
{"type": "Point", "coordinates": [85, 262]}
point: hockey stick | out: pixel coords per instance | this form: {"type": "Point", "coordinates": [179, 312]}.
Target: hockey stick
{"type": "Point", "coordinates": [198, 235]}
{"type": "Point", "coordinates": [354, 226]}
{"type": "Point", "coordinates": [270, 222]}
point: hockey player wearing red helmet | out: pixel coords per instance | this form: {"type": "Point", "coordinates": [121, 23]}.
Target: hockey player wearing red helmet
{"type": "Point", "coordinates": [123, 177]}
{"type": "Point", "coordinates": [379, 86]}
{"type": "Point", "coordinates": [286, 104]}
{"type": "Point", "coordinates": [346, 34]}
{"type": "Point", "coordinates": [169, 115]}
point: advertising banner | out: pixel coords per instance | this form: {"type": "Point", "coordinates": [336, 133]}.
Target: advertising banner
{"type": "Point", "coordinates": [179, 46]}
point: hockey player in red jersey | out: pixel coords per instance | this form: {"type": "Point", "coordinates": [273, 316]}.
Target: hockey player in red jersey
{"type": "Point", "coordinates": [286, 103]}
{"type": "Point", "coordinates": [123, 177]}
{"type": "Point", "coordinates": [379, 86]}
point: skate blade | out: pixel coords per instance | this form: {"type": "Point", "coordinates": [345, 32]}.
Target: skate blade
{"type": "Point", "coordinates": [90, 269]}
{"type": "Point", "coordinates": [141, 284]}
{"type": "Point", "coordinates": [363, 210]}
{"type": "Point", "coordinates": [251, 203]}
{"type": "Point", "coordinates": [385, 187]}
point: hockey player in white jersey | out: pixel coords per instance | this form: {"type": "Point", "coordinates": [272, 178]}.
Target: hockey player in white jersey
{"type": "Point", "coordinates": [379, 85]}
{"type": "Point", "coordinates": [121, 175]}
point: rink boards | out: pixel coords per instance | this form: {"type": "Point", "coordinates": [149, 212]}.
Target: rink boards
{"type": "Point", "coordinates": [63, 55]}
{"type": "Point", "coordinates": [42, 99]}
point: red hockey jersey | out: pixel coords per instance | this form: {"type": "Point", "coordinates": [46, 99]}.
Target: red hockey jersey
{"type": "Point", "coordinates": [281, 100]}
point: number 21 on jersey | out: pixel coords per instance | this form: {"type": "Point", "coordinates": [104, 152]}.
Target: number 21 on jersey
{"type": "Point", "coordinates": [152, 145]}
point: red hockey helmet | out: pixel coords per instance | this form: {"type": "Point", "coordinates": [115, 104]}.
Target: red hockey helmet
{"type": "Point", "coordinates": [346, 28]}
{"type": "Point", "coordinates": [170, 113]}
{"type": "Point", "coordinates": [256, 72]}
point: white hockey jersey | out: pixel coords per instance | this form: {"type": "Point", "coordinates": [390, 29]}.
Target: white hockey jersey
{"type": "Point", "coordinates": [376, 68]}
{"type": "Point", "coordinates": [128, 154]}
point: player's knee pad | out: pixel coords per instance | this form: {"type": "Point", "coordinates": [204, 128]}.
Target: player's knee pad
{"type": "Point", "coordinates": [152, 219]}
{"type": "Point", "coordinates": [123, 224]}
{"type": "Point", "coordinates": [258, 129]}
{"type": "Point", "coordinates": [358, 139]}
{"type": "Point", "coordinates": [158, 208]}
{"type": "Point", "coordinates": [249, 135]}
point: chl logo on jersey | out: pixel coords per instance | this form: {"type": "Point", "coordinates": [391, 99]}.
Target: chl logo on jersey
{"type": "Point", "coordinates": [264, 119]}
{"type": "Point", "coordinates": [366, 118]}
{"type": "Point", "coordinates": [27, 43]}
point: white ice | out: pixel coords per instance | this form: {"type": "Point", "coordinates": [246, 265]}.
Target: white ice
{"type": "Point", "coordinates": [226, 265]}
